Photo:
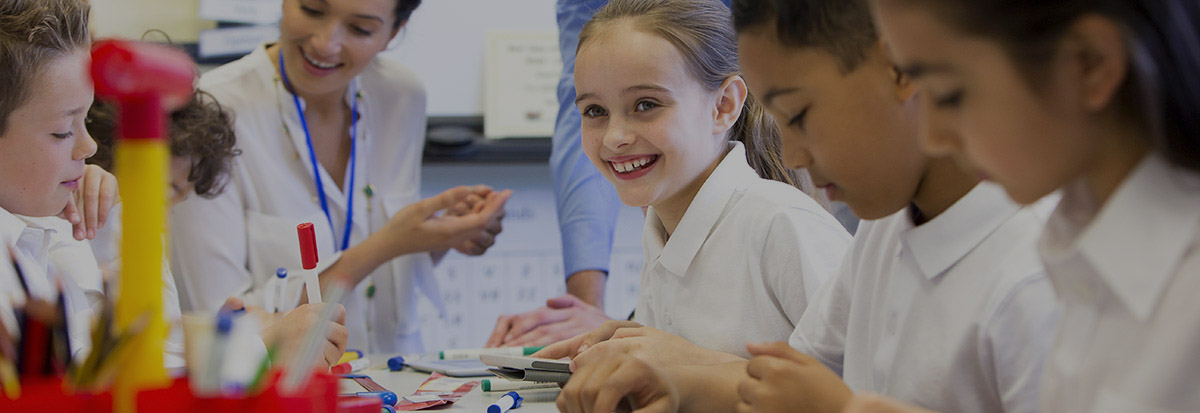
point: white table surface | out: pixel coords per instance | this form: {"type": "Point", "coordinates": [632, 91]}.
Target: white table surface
{"type": "Point", "coordinates": [405, 382]}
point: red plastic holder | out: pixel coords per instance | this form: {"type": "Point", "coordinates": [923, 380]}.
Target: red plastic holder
{"type": "Point", "coordinates": [49, 395]}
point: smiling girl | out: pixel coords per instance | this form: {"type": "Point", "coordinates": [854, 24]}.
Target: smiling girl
{"type": "Point", "coordinates": [731, 255]}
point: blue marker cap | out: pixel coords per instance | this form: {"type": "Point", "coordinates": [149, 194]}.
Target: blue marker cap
{"type": "Point", "coordinates": [389, 409]}
{"type": "Point", "coordinates": [388, 397]}
{"type": "Point", "coordinates": [281, 272]}
{"type": "Point", "coordinates": [396, 363]}
{"type": "Point", "coordinates": [224, 322]}
{"type": "Point", "coordinates": [516, 402]}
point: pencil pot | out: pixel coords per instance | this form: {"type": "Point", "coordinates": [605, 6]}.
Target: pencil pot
{"type": "Point", "coordinates": [49, 395]}
{"type": "Point", "coordinates": [318, 396]}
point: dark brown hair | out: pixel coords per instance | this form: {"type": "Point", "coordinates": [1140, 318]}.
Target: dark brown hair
{"type": "Point", "coordinates": [703, 33]}
{"type": "Point", "coordinates": [33, 33]}
{"type": "Point", "coordinates": [200, 130]}
{"type": "Point", "coordinates": [1162, 36]}
{"type": "Point", "coordinates": [842, 27]}
{"type": "Point", "coordinates": [404, 10]}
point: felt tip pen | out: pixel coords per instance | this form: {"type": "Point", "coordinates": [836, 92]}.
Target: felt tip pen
{"type": "Point", "coordinates": [389, 398]}
{"type": "Point", "coordinates": [210, 381]}
{"type": "Point", "coordinates": [279, 291]}
{"type": "Point", "coordinates": [350, 355]}
{"type": "Point", "coordinates": [498, 385]}
{"type": "Point", "coordinates": [350, 367]}
{"type": "Point", "coordinates": [473, 353]}
{"type": "Point", "coordinates": [309, 258]}
{"type": "Point", "coordinates": [508, 401]}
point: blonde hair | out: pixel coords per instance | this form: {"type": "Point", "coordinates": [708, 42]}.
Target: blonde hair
{"type": "Point", "coordinates": [33, 33]}
{"type": "Point", "coordinates": [702, 31]}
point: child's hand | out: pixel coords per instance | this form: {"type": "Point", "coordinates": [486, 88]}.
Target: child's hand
{"type": "Point", "coordinates": [870, 403]}
{"type": "Point", "coordinates": [95, 197]}
{"type": "Point", "coordinates": [288, 333]}
{"type": "Point", "coordinates": [655, 346]}
{"type": "Point", "coordinates": [612, 380]}
{"type": "Point", "coordinates": [474, 204]}
{"type": "Point", "coordinates": [561, 319]}
{"type": "Point", "coordinates": [573, 346]}
{"type": "Point", "coordinates": [782, 378]}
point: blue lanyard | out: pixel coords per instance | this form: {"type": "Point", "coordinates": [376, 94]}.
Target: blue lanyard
{"type": "Point", "coordinates": [312, 156]}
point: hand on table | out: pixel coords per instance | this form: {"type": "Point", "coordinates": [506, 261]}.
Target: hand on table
{"type": "Point", "coordinates": [562, 318]}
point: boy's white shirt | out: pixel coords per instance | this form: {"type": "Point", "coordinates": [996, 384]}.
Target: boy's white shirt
{"type": "Point", "coordinates": [741, 263]}
{"type": "Point", "coordinates": [953, 315]}
{"type": "Point", "coordinates": [32, 240]}
{"type": "Point", "coordinates": [1128, 274]}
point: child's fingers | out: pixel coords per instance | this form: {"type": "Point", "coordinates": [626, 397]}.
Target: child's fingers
{"type": "Point", "coordinates": [777, 349]}
{"type": "Point", "coordinates": [503, 324]}
{"type": "Point", "coordinates": [91, 202]}
{"type": "Point", "coordinates": [563, 301]}
{"type": "Point", "coordinates": [749, 391]}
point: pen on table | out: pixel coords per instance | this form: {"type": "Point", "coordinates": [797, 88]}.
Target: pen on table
{"type": "Point", "coordinates": [496, 384]}
{"type": "Point", "coordinates": [210, 380]}
{"type": "Point", "coordinates": [508, 401]}
{"type": "Point", "coordinates": [389, 398]}
{"type": "Point", "coordinates": [473, 353]}
{"type": "Point", "coordinates": [308, 257]}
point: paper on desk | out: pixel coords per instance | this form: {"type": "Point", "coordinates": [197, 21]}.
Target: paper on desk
{"type": "Point", "coordinates": [437, 390]}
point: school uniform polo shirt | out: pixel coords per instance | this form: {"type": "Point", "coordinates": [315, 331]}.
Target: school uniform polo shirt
{"type": "Point", "coordinates": [954, 315]}
{"type": "Point", "coordinates": [742, 262]}
{"type": "Point", "coordinates": [31, 239]}
{"type": "Point", "coordinates": [1128, 274]}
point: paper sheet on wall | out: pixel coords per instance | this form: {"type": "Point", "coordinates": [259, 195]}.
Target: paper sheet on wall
{"type": "Point", "coordinates": [522, 71]}
{"type": "Point", "coordinates": [242, 11]}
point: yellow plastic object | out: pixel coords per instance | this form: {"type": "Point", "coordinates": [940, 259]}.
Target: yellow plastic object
{"type": "Point", "coordinates": [142, 175]}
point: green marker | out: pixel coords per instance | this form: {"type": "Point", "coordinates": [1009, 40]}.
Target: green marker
{"type": "Point", "coordinates": [473, 353]}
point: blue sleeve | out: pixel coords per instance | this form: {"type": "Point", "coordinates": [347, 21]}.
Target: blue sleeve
{"type": "Point", "coordinates": [587, 203]}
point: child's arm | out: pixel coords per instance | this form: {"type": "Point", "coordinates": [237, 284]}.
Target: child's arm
{"type": "Point", "coordinates": [95, 197]}
{"type": "Point", "coordinates": [781, 379]}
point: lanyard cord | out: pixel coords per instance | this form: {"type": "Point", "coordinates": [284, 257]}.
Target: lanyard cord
{"type": "Point", "coordinates": [312, 157]}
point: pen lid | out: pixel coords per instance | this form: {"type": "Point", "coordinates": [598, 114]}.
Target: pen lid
{"type": "Point", "coordinates": [308, 245]}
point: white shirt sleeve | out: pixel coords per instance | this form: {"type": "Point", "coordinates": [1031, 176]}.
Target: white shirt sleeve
{"type": "Point", "coordinates": [821, 332]}
{"type": "Point", "coordinates": [209, 250]}
{"type": "Point", "coordinates": [800, 254]}
{"type": "Point", "coordinates": [1019, 336]}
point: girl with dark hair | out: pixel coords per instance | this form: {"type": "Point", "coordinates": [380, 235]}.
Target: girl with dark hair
{"type": "Point", "coordinates": [1098, 99]}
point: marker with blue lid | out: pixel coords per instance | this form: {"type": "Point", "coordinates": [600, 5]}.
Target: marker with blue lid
{"type": "Point", "coordinates": [508, 401]}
